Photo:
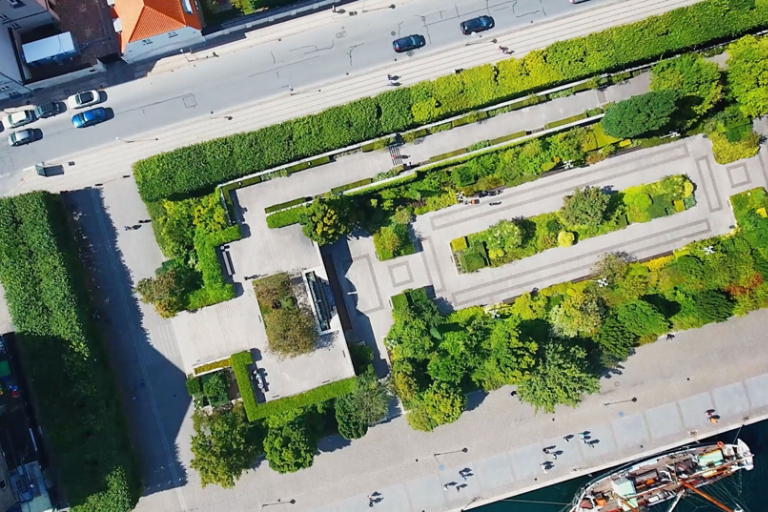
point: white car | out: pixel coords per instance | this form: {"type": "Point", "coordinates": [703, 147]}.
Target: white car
{"type": "Point", "coordinates": [19, 118]}
{"type": "Point", "coordinates": [84, 99]}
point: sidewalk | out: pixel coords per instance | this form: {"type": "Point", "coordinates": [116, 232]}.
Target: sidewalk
{"type": "Point", "coordinates": [114, 160]}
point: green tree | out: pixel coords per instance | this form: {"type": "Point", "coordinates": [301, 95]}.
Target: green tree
{"type": "Point", "coordinates": [168, 290]}
{"type": "Point", "coordinates": [641, 318]}
{"type": "Point", "coordinates": [748, 74]}
{"type": "Point", "coordinates": [612, 267]}
{"type": "Point", "coordinates": [403, 216]}
{"type": "Point", "coordinates": [615, 339]}
{"type": "Point", "coordinates": [327, 219]}
{"type": "Point", "coordinates": [506, 359]}
{"type": "Point", "coordinates": [640, 114]}
{"type": "Point", "coordinates": [289, 447]}
{"type": "Point", "coordinates": [698, 309]}
{"type": "Point", "coordinates": [505, 235]}
{"type": "Point", "coordinates": [367, 405]}
{"type": "Point", "coordinates": [224, 445]}
{"type": "Point", "coordinates": [561, 377]}
{"type": "Point", "coordinates": [579, 314]}
{"type": "Point", "coordinates": [696, 81]}
{"type": "Point", "coordinates": [438, 405]}
{"type": "Point", "coordinates": [585, 207]}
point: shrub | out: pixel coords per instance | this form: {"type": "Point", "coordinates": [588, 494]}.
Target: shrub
{"type": "Point", "coordinates": [199, 167]}
{"type": "Point", "coordinates": [748, 74]}
{"type": "Point", "coordinates": [727, 152]}
{"type": "Point", "coordinates": [695, 81]}
{"type": "Point", "coordinates": [215, 388]}
{"type": "Point", "coordinates": [459, 244]}
{"type": "Point", "coordinates": [289, 448]}
{"type": "Point", "coordinates": [565, 239]}
{"type": "Point", "coordinates": [472, 260]}
{"type": "Point", "coordinates": [639, 114]}
{"type": "Point", "coordinates": [240, 363]}
{"type": "Point", "coordinates": [365, 406]}
{"type": "Point", "coordinates": [439, 405]}
{"type": "Point", "coordinates": [215, 289]}
{"type": "Point", "coordinates": [288, 204]}
{"type": "Point", "coordinates": [168, 290]}
{"type": "Point", "coordinates": [194, 386]}
{"type": "Point", "coordinates": [585, 207]}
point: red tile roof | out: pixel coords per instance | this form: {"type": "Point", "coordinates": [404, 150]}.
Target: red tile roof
{"type": "Point", "coordinates": [142, 19]}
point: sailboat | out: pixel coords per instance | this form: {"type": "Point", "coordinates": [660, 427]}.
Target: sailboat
{"type": "Point", "coordinates": [669, 476]}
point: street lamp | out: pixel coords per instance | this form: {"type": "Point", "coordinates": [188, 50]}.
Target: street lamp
{"type": "Point", "coordinates": [436, 455]}
{"type": "Point", "coordinates": [278, 502]}
{"type": "Point", "coordinates": [136, 140]}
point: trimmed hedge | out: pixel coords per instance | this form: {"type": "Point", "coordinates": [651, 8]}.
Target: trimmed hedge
{"type": "Point", "coordinates": [240, 362]}
{"type": "Point", "coordinates": [199, 167]}
{"type": "Point", "coordinates": [216, 365]}
{"type": "Point", "coordinates": [62, 355]}
{"type": "Point", "coordinates": [215, 289]}
{"type": "Point", "coordinates": [567, 120]}
{"type": "Point", "coordinates": [350, 186]}
{"type": "Point", "coordinates": [315, 396]}
{"type": "Point", "coordinates": [286, 205]}
{"type": "Point", "coordinates": [285, 217]}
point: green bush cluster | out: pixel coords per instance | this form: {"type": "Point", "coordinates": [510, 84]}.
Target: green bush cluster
{"type": "Point", "coordinates": [62, 354]}
{"type": "Point", "coordinates": [240, 363]}
{"type": "Point", "coordinates": [393, 241]}
{"type": "Point", "coordinates": [549, 230]}
{"type": "Point", "coordinates": [216, 388]}
{"type": "Point", "coordinates": [314, 396]}
{"type": "Point", "coordinates": [288, 204]}
{"type": "Point", "coordinates": [215, 289]}
{"type": "Point", "coordinates": [555, 344]}
{"type": "Point", "coordinates": [200, 167]}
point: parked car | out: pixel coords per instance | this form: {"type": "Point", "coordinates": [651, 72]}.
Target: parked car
{"type": "Point", "coordinates": [84, 99]}
{"type": "Point", "coordinates": [479, 24]}
{"type": "Point", "coordinates": [406, 44]}
{"type": "Point", "coordinates": [89, 117]}
{"type": "Point", "coordinates": [22, 137]}
{"type": "Point", "coordinates": [50, 109]}
{"type": "Point", "coordinates": [19, 118]}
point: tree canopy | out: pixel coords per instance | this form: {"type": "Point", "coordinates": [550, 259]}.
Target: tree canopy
{"type": "Point", "coordinates": [561, 377]}
{"type": "Point", "coordinates": [362, 408]}
{"type": "Point", "coordinates": [579, 314]}
{"type": "Point", "coordinates": [585, 207]}
{"type": "Point", "coordinates": [327, 218]}
{"type": "Point", "coordinates": [289, 447]}
{"type": "Point", "coordinates": [224, 445]}
{"type": "Point", "coordinates": [438, 405]}
{"type": "Point", "coordinates": [748, 74]}
{"type": "Point", "coordinates": [696, 81]}
{"type": "Point", "coordinates": [639, 115]}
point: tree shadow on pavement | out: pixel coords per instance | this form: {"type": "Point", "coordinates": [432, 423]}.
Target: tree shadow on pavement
{"type": "Point", "coordinates": [152, 388]}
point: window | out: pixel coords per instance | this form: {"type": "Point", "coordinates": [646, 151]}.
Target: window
{"type": "Point", "coordinates": [146, 42]}
{"type": "Point", "coordinates": [185, 4]}
{"type": "Point", "coordinates": [172, 34]}
{"type": "Point", "coordinates": [16, 3]}
{"type": "Point", "coordinates": [2, 484]}
{"type": "Point", "coordinates": [15, 26]}
{"type": "Point", "coordinates": [4, 17]}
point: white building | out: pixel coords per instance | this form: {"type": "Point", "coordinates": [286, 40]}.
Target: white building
{"type": "Point", "coordinates": [149, 28]}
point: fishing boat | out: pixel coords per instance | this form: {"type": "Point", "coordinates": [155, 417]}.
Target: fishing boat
{"type": "Point", "coordinates": [669, 476]}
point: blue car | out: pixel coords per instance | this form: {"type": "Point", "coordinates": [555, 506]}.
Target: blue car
{"type": "Point", "coordinates": [478, 24]}
{"type": "Point", "coordinates": [406, 44]}
{"type": "Point", "coordinates": [89, 117]}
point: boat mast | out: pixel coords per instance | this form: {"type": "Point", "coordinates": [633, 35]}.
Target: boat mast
{"type": "Point", "coordinates": [706, 497]}
{"type": "Point", "coordinates": [674, 503]}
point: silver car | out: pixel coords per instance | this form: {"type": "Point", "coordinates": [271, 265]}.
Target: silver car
{"type": "Point", "coordinates": [22, 137]}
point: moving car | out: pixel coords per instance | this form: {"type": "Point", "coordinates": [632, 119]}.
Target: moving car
{"type": "Point", "coordinates": [50, 109]}
{"type": "Point", "coordinates": [84, 99]}
{"type": "Point", "coordinates": [22, 137]}
{"type": "Point", "coordinates": [478, 24]}
{"type": "Point", "coordinates": [19, 118]}
{"type": "Point", "coordinates": [406, 44]}
{"type": "Point", "coordinates": [89, 117]}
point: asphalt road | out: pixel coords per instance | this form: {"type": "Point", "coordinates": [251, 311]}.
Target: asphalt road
{"type": "Point", "coordinates": [325, 54]}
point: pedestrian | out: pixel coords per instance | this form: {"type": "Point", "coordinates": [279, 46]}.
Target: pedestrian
{"type": "Point", "coordinates": [544, 466]}
{"type": "Point", "coordinates": [670, 336]}
{"type": "Point", "coordinates": [554, 456]}
{"type": "Point", "coordinates": [445, 487]}
{"type": "Point", "coordinates": [546, 451]}
{"type": "Point", "coordinates": [568, 438]}
{"type": "Point", "coordinates": [513, 394]}
{"type": "Point", "coordinates": [591, 444]}
{"type": "Point", "coordinates": [463, 476]}
{"type": "Point", "coordinates": [127, 228]}
{"type": "Point", "coordinates": [390, 77]}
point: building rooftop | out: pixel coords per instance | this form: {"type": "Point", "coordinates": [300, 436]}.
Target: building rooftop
{"type": "Point", "coordinates": [142, 19]}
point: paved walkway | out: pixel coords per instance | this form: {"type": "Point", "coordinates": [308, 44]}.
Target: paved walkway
{"type": "Point", "coordinates": [114, 160]}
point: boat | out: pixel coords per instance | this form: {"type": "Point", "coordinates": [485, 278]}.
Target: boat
{"type": "Point", "coordinates": [669, 476]}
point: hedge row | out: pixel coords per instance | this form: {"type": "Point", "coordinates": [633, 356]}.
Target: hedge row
{"type": "Point", "coordinates": [62, 355]}
{"type": "Point", "coordinates": [200, 167]}
{"type": "Point", "coordinates": [314, 396]}
{"type": "Point", "coordinates": [350, 186]}
{"type": "Point", "coordinates": [240, 362]}
{"type": "Point", "coordinates": [216, 365]}
{"type": "Point", "coordinates": [287, 204]}
{"type": "Point", "coordinates": [215, 289]}
{"type": "Point", "coordinates": [285, 217]}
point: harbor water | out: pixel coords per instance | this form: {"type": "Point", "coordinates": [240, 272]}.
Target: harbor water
{"type": "Point", "coordinates": [748, 489]}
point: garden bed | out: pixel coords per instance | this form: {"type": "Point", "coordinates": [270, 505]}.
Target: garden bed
{"type": "Point", "coordinates": [509, 241]}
